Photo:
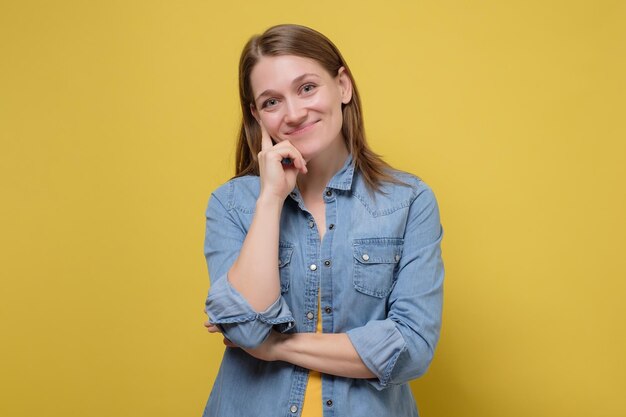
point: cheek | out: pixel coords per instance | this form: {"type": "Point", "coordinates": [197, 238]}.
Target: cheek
{"type": "Point", "coordinates": [271, 121]}
{"type": "Point", "coordinates": [329, 104]}
{"type": "Point", "coordinates": [319, 103]}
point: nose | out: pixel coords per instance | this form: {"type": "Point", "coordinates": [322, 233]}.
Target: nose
{"type": "Point", "coordinates": [295, 114]}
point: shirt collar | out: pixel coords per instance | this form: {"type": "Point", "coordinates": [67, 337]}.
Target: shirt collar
{"type": "Point", "coordinates": [342, 180]}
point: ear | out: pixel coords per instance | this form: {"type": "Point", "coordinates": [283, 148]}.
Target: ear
{"type": "Point", "coordinates": [345, 84]}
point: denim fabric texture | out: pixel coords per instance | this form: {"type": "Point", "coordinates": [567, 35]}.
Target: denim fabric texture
{"type": "Point", "coordinates": [379, 275]}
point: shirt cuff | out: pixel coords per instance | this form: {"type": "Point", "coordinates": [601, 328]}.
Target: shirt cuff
{"type": "Point", "coordinates": [379, 344]}
{"type": "Point", "coordinates": [240, 324]}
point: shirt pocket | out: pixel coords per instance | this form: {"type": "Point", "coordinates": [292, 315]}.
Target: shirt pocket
{"type": "Point", "coordinates": [375, 262]}
{"type": "Point", "coordinates": [285, 250]}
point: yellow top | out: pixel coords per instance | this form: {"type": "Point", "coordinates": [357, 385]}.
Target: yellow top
{"type": "Point", "coordinates": [312, 406]}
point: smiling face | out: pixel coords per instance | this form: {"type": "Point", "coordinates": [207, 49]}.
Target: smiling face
{"type": "Point", "coordinates": [298, 100]}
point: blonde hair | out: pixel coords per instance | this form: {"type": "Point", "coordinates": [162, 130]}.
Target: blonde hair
{"type": "Point", "coordinates": [303, 42]}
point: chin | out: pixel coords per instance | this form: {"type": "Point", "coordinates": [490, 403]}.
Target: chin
{"type": "Point", "coordinates": [308, 151]}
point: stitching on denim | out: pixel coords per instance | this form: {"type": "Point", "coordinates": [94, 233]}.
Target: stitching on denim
{"type": "Point", "coordinates": [346, 183]}
{"type": "Point", "coordinates": [231, 195]}
{"type": "Point", "coordinates": [414, 182]}
{"type": "Point", "coordinates": [392, 364]}
{"type": "Point", "coordinates": [276, 320]}
{"type": "Point", "coordinates": [240, 319]}
{"type": "Point", "coordinates": [380, 212]}
{"type": "Point", "coordinates": [394, 247]}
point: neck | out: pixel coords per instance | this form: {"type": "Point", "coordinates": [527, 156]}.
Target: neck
{"type": "Point", "coordinates": [322, 169]}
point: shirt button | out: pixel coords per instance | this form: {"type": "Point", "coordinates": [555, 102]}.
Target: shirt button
{"type": "Point", "coordinates": [309, 315]}
{"type": "Point", "coordinates": [327, 262]}
{"type": "Point", "coordinates": [365, 257]}
{"type": "Point", "coordinates": [293, 195]}
{"type": "Point", "coordinates": [397, 258]}
{"type": "Point", "coordinates": [331, 226]}
{"type": "Point", "coordinates": [329, 403]}
{"type": "Point", "coordinates": [311, 224]}
{"type": "Point", "coordinates": [328, 310]}
{"type": "Point", "coordinates": [313, 267]}
{"type": "Point", "coordinates": [329, 193]}
{"type": "Point", "coordinates": [293, 408]}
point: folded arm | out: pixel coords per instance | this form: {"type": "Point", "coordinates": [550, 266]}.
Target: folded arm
{"type": "Point", "coordinates": [244, 298]}
{"type": "Point", "coordinates": [390, 351]}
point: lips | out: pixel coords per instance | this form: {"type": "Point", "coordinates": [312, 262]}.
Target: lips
{"type": "Point", "coordinates": [302, 128]}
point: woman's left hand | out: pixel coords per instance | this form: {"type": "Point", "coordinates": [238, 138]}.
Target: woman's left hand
{"type": "Point", "coordinates": [266, 351]}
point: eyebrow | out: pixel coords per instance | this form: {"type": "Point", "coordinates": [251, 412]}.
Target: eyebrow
{"type": "Point", "coordinates": [295, 81]}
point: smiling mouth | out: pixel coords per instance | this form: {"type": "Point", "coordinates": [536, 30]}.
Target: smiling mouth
{"type": "Point", "coordinates": [302, 129]}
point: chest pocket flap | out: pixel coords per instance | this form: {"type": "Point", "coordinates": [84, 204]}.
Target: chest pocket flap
{"type": "Point", "coordinates": [375, 261]}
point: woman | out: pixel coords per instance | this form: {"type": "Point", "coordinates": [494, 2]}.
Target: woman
{"type": "Point", "coordinates": [325, 263]}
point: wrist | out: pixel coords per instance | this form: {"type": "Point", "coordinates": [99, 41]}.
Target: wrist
{"type": "Point", "coordinates": [269, 202]}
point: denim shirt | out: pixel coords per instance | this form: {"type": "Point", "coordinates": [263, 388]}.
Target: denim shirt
{"type": "Point", "coordinates": [377, 272]}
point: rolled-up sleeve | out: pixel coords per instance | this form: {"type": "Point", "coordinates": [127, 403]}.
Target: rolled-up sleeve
{"type": "Point", "coordinates": [225, 306]}
{"type": "Point", "coordinates": [401, 347]}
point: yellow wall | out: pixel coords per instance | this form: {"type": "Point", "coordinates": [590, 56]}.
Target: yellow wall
{"type": "Point", "coordinates": [117, 119]}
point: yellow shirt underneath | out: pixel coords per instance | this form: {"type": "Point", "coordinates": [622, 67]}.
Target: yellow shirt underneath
{"type": "Point", "coordinates": [312, 406]}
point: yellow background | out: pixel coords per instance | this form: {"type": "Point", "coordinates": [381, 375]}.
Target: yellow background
{"type": "Point", "coordinates": [118, 118]}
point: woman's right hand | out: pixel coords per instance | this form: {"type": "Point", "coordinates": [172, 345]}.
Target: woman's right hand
{"type": "Point", "coordinates": [278, 179]}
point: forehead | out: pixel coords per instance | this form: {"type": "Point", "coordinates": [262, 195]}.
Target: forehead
{"type": "Point", "coordinates": [276, 72]}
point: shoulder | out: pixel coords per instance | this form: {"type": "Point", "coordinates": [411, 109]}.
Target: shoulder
{"type": "Point", "coordinates": [238, 193]}
{"type": "Point", "coordinates": [409, 190]}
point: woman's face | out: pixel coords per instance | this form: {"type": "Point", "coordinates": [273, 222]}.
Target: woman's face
{"type": "Point", "coordinates": [296, 99]}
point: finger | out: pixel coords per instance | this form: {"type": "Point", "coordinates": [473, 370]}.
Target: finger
{"type": "Point", "coordinates": [212, 328]}
{"type": "Point", "coordinates": [266, 140]}
{"type": "Point", "coordinates": [298, 163]}
{"type": "Point", "coordinates": [229, 343]}
{"type": "Point", "coordinates": [287, 151]}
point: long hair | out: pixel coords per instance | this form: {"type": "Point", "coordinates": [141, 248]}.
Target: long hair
{"type": "Point", "coordinates": [307, 43]}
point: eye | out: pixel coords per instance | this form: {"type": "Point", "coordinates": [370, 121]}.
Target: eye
{"type": "Point", "coordinates": [270, 102]}
{"type": "Point", "coordinates": [307, 88]}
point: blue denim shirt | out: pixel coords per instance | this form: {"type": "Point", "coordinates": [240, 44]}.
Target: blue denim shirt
{"type": "Point", "coordinates": [378, 274]}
